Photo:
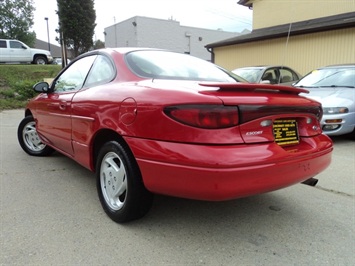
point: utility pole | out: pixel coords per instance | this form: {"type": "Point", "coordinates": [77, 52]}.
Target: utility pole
{"type": "Point", "coordinates": [49, 45]}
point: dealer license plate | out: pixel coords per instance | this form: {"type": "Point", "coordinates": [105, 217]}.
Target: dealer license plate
{"type": "Point", "coordinates": [285, 132]}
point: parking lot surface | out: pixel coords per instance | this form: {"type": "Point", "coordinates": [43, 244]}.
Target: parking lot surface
{"type": "Point", "coordinates": [51, 215]}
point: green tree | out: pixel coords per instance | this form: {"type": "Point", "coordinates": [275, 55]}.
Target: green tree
{"type": "Point", "coordinates": [99, 44]}
{"type": "Point", "coordinates": [16, 19]}
{"type": "Point", "coordinates": [77, 24]}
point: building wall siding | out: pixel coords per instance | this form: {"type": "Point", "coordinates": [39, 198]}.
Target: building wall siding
{"type": "Point", "coordinates": [268, 13]}
{"type": "Point", "coordinates": [56, 51]}
{"type": "Point", "coordinates": [303, 52]}
{"type": "Point", "coordinates": [163, 34]}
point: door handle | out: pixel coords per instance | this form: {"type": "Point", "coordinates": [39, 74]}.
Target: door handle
{"type": "Point", "coordinates": [62, 106]}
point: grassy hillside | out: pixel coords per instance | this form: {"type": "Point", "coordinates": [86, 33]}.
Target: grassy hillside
{"type": "Point", "coordinates": [16, 83]}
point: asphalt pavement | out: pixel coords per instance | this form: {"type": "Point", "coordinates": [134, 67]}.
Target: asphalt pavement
{"type": "Point", "coordinates": [50, 215]}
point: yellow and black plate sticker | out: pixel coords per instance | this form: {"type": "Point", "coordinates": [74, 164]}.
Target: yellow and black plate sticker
{"type": "Point", "coordinates": [286, 132]}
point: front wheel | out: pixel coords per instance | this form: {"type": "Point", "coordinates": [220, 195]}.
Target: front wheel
{"type": "Point", "coordinates": [40, 60]}
{"type": "Point", "coordinates": [29, 139]}
{"type": "Point", "coordinates": [119, 184]}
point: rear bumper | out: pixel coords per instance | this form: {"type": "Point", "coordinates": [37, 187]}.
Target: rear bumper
{"type": "Point", "coordinates": [229, 171]}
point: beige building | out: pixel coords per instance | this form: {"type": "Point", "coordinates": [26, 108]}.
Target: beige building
{"type": "Point", "coordinates": [301, 34]}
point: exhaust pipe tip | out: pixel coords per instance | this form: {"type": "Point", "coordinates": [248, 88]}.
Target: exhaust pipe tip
{"type": "Point", "coordinates": [311, 182]}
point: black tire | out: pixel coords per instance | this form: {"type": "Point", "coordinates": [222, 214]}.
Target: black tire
{"type": "Point", "coordinates": [119, 184]}
{"type": "Point", "coordinates": [352, 134]}
{"type": "Point", "coordinates": [40, 60]}
{"type": "Point", "coordinates": [29, 139]}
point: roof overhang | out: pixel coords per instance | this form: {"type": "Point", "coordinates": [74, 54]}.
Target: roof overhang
{"type": "Point", "coordinates": [341, 21]}
{"type": "Point", "coordinates": [247, 3]}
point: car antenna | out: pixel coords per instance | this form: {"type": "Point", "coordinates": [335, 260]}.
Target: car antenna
{"type": "Point", "coordinates": [283, 61]}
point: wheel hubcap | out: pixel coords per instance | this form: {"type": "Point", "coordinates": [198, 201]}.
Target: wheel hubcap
{"type": "Point", "coordinates": [31, 138]}
{"type": "Point", "coordinates": [40, 62]}
{"type": "Point", "coordinates": [113, 181]}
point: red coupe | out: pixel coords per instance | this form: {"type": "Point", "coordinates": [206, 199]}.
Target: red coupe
{"type": "Point", "coordinates": [151, 121]}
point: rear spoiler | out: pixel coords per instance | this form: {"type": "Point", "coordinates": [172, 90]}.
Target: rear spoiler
{"type": "Point", "coordinates": [255, 87]}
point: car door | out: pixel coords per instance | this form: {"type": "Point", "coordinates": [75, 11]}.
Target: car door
{"type": "Point", "coordinates": [54, 109]}
{"type": "Point", "coordinates": [19, 52]}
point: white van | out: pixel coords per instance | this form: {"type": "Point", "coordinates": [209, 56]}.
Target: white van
{"type": "Point", "coordinates": [14, 51]}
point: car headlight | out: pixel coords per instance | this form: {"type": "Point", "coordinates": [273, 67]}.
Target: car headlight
{"type": "Point", "coordinates": [335, 110]}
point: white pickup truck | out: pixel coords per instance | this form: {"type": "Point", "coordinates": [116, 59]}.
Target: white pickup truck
{"type": "Point", "coordinates": [14, 51]}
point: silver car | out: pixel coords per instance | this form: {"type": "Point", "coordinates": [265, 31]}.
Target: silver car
{"type": "Point", "coordinates": [268, 74]}
{"type": "Point", "coordinates": [334, 88]}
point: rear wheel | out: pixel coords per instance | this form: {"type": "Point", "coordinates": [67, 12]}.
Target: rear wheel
{"type": "Point", "coordinates": [119, 184]}
{"type": "Point", "coordinates": [29, 139]}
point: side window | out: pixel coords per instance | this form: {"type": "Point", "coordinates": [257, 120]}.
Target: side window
{"type": "Point", "coordinates": [101, 72]}
{"type": "Point", "coordinates": [270, 75]}
{"type": "Point", "coordinates": [15, 44]}
{"type": "Point", "coordinates": [73, 78]}
{"type": "Point", "coordinates": [2, 44]}
{"type": "Point", "coordinates": [287, 75]}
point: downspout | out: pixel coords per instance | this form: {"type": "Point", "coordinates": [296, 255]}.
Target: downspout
{"type": "Point", "coordinates": [210, 50]}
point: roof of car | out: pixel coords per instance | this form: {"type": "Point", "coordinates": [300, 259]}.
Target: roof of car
{"type": "Point", "coordinates": [262, 66]}
{"type": "Point", "coordinates": [130, 49]}
{"type": "Point", "coordinates": [340, 66]}
{"type": "Point", "coordinates": [120, 50]}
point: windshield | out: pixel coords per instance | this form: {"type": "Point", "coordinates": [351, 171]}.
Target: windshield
{"type": "Point", "coordinates": [250, 74]}
{"type": "Point", "coordinates": [170, 65]}
{"type": "Point", "coordinates": [329, 77]}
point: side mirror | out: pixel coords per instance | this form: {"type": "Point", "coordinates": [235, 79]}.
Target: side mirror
{"type": "Point", "coordinates": [41, 87]}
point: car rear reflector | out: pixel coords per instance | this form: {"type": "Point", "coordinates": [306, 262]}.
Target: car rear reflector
{"type": "Point", "coordinates": [204, 116]}
{"type": "Point", "coordinates": [251, 112]}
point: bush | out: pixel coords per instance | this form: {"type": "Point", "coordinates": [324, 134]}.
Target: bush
{"type": "Point", "coordinates": [10, 93]}
{"type": "Point", "coordinates": [24, 89]}
{"type": "Point", "coordinates": [16, 83]}
{"type": "Point", "coordinates": [6, 104]}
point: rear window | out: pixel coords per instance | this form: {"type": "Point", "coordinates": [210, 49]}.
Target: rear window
{"type": "Point", "coordinates": [170, 65]}
{"type": "Point", "coordinates": [2, 44]}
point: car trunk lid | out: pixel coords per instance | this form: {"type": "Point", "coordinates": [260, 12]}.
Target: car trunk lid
{"type": "Point", "coordinates": [270, 112]}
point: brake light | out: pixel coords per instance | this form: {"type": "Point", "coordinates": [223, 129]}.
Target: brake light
{"type": "Point", "coordinates": [204, 116]}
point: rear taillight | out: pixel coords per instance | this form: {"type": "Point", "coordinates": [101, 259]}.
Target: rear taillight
{"type": "Point", "coordinates": [204, 116]}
